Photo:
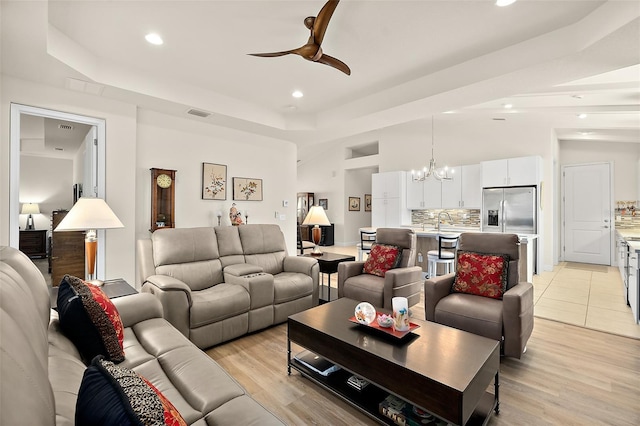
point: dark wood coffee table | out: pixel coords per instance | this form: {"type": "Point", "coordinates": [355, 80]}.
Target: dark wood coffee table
{"type": "Point", "coordinates": [442, 370]}
{"type": "Point", "coordinates": [328, 264]}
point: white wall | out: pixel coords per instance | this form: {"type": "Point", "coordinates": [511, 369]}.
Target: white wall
{"type": "Point", "coordinates": [48, 182]}
{"type": "Point", "coordinates": [624, 157]}
{"type": "Point", "coordinates": [183, 145]}
{"type": "Point", "coordinates": [357, 184]}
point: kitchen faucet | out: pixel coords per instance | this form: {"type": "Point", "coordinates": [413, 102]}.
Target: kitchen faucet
{"type": "Point", "coordinates": [443, 213]}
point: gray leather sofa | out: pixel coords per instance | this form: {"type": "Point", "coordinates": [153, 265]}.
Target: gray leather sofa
{"type": "Point", "coordinates": [41, 370]}
{"type": "Point", "coordinates": [216, 284]}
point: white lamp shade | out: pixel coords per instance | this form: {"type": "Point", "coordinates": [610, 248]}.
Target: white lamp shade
{"type": "Point", "coordinates": [316, 216]}
{"type": "Point", "coordinates": [30, 208]}
{"type": "Point", "coordinates": [89, 213]}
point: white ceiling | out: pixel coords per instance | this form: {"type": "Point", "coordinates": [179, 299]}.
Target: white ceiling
{"type": "Point", "coordinates": [409, 59]}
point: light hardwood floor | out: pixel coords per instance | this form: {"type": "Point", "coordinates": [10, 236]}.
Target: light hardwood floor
{"type": "Point", "coordinates": [569, 375]}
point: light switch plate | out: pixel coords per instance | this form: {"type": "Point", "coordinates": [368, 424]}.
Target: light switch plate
{"type": "Point", "coordinates": [285, 203]}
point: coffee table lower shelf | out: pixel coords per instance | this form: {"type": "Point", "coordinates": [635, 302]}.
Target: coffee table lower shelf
{"type": "Point", "coordinates": [368, 399]}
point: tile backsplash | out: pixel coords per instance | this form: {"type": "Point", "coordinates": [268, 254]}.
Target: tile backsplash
{"type": "Point", "coordinates": [460, 217]}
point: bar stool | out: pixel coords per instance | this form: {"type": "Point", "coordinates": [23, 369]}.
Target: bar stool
{"type": "Point", "coordinates": [367, 238]}
{"type": "Point", "coordinates": [446, 255]}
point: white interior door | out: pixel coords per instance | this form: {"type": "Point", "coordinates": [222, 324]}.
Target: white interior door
{"type": "Point", "coordinates": [587, 213]}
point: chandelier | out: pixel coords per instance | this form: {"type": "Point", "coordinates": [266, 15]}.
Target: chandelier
{"type": "Point", "coordinates": [432, 169]}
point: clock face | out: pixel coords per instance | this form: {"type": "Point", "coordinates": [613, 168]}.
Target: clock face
{"type": "Point", "coordinates": [163, 180]}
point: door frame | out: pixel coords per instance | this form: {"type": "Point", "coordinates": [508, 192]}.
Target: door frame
{"type": "Point", "coordinates": [612, 239]}
{"type": "Point", "coordinates": [14, 168]}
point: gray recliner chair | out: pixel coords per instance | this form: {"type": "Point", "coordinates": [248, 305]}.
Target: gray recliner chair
{"type": "Point", "coordinates": [509, 320]}
{"type": "Point", "coordinates": [403, 281]}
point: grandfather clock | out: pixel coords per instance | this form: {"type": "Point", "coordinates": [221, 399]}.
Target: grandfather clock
{"type": "Point", "coordinates": [163, 198]}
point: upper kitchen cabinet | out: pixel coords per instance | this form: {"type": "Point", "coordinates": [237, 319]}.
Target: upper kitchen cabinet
{"type": "Point", "coordinates": [511, 172]}
{"type": "Point", "coordinates": [388, 205]}
{"type": "Point", "coordinates": [425, 194]}
{"type": "Point", "coordinates": [464, 190]}
{"type": "Point", "coordinates": [387, 185]}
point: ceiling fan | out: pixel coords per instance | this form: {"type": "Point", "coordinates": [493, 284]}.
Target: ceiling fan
{"type": "Point", "coordinates": [312, 50]}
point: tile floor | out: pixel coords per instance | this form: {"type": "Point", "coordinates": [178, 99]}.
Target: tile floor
{"type": "Point", "coordinates": [585, 295]}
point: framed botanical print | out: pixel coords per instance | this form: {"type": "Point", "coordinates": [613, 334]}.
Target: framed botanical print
{"type": "Point", "coordinates": [324, 203]}
{"type": "Point", "coordinates": [367, 202]}
{"type": "Point", "coordinates": [214, 181]}
{"type": "Point", "coordinates": [247, 189]}
{"type": "Point", "coordinates": [354, 204]}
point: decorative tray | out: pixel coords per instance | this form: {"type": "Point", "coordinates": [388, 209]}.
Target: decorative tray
{"type": "Point", "coordinates": [387, 330]}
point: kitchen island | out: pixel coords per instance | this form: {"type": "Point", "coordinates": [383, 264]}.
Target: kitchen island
{"type": "Point", "coordinates": [628, 245]}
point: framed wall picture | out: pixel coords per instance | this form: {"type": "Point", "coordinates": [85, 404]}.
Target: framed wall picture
{"type": "Point", "coordinates": [367, 202]}
{"type": "Point", "coordinates": [247, 189]}
{"type": "Point", "coordinates": [324, 203]}
{"type": "Point", "coordinates": [214, 181]}
{"type": "Point", "coordinates": [354, 204]}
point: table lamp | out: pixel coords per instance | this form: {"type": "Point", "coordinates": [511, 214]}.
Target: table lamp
{"type": "Point", "coordinates": [30, 209]}
{"type": "Point", "coordinates": [316, 217]}
{"type": "Point", "coordinates": [90, 214]}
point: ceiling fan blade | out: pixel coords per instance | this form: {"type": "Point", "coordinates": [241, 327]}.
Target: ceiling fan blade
{"type": "Point", "coordinates": [322, 20]}
{"type": "Point", "coordinates": [335, 63]}
{"type": "Point", "coordinates": [272, 54]}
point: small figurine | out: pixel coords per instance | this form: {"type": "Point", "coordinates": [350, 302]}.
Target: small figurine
{"type": "Point", "coordinates": [235, 216]}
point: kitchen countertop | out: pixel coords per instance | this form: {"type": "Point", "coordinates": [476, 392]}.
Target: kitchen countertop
{"type": "Point", "coordinates": [457, 230]}
{"type": "Point", "coordinates": [631, 234]}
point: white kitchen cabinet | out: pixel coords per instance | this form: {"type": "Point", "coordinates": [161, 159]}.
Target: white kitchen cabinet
{"type": "Point", "coordinates": [633, 283]}
{"type": "Point", "coordinates": [511, 172]}
{"type": "Point", "coordinates": [464, 190]}
{"type": "Point", "coordinates": [471, 186]}
{"type": "Point", "coordinates": [388, 184]}
{"type": "Point", "coordinates": [415, 194]}
{"type": "Point", "coordinates": [388, 205]}
{"type": "Point", "coordinates": [423, 195]}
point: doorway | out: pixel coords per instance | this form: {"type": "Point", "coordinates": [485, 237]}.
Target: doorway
{"type": "Point", "coordinates": [94, 164]}
{"type": "Point", "coordinates": [587, 216]}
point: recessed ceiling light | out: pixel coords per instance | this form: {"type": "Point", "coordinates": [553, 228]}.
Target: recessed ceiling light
{"type": "Point", "coordinates": [297, 94]}
{"type": "Point", "coordinates": [507, 106]}
{"type": "Point", "coordinates": [154, 38]}
{"type": "Point", "coordinates": [449, 112]}
{"type": "Point", "coordinates": [582, 115]}
{"type": "Point", "coordinates": [503, 3]}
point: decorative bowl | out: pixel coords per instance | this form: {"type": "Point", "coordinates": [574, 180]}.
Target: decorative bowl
{"type": "Point", "coordinates": [384, 320]}
{"type": "Point", "coordinates": [365, 313]}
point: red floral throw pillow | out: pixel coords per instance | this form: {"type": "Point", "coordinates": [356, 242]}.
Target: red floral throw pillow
{"type": "Point", "coordinates": [381, 258]}
{"type": "Point", "coordinates": [113, 395]}
{"type": "Point", "coordinates": [481, 274]}
{"type": "Point", "coordinates": [90, 320]}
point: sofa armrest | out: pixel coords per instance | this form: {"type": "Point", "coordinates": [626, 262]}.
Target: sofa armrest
{"type": "Point", "coordinates": [136, 308]}
{"type": "Point", "coordinates": [175, 297]}
{"type": "Point", "coordinates": [347, 270]}
{"type": "Point", "coordinates": [240, 269]}
{"type": "Point", "coordinates": [517, 318]}
{"type": "Point", "coordinates": [435, 289]}
{"type": "Point", "coordinates": [307, 266]}
{"type": "Point", "coordinates": [398, 277]}
{"type": "Point", "coordinates": [299, 264]}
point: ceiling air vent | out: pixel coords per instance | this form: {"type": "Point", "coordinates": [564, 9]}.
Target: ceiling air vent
{"type": "Point", "coordinates": [198, 113]}
{"type": "Point", "coordinates": [65, 126]}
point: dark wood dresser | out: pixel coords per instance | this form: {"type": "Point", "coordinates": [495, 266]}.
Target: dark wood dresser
{"type": "Point", "coordinates": [66, 251]}
{"type": "Point", "coordinates": [33, 242]}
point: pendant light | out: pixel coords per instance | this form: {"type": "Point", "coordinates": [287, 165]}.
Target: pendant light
{"type": "Point", "coordinates": [431, 169]}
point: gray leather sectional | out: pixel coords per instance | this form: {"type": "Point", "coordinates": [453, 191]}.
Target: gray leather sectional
{"type": "Point", "coordinates": [216, 284]}
{"type": "Point", "coordinates": [41, 370]}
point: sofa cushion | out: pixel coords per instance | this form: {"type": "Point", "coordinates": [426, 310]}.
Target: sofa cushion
{"type": "Point", "coordinates": [475, 314]}
{"type": "Point", "coordinates": [217, 303]}
{"type": "Point", "coordinates": [114, 395]}
{"type": "Point", "coordinates": [381, 258]}
{"type": "Point", "coordinates": [289, 286]}
{"type": "Point", "coordinates": [365, 287]}
{"type": "Point", "coordinates": [90, 320]}
{"type": "Point", "coordinates": [481, 274]}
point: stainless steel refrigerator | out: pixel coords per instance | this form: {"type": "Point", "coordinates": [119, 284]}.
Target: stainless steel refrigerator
{"type": "Point", "coordinates": [511, 210]}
